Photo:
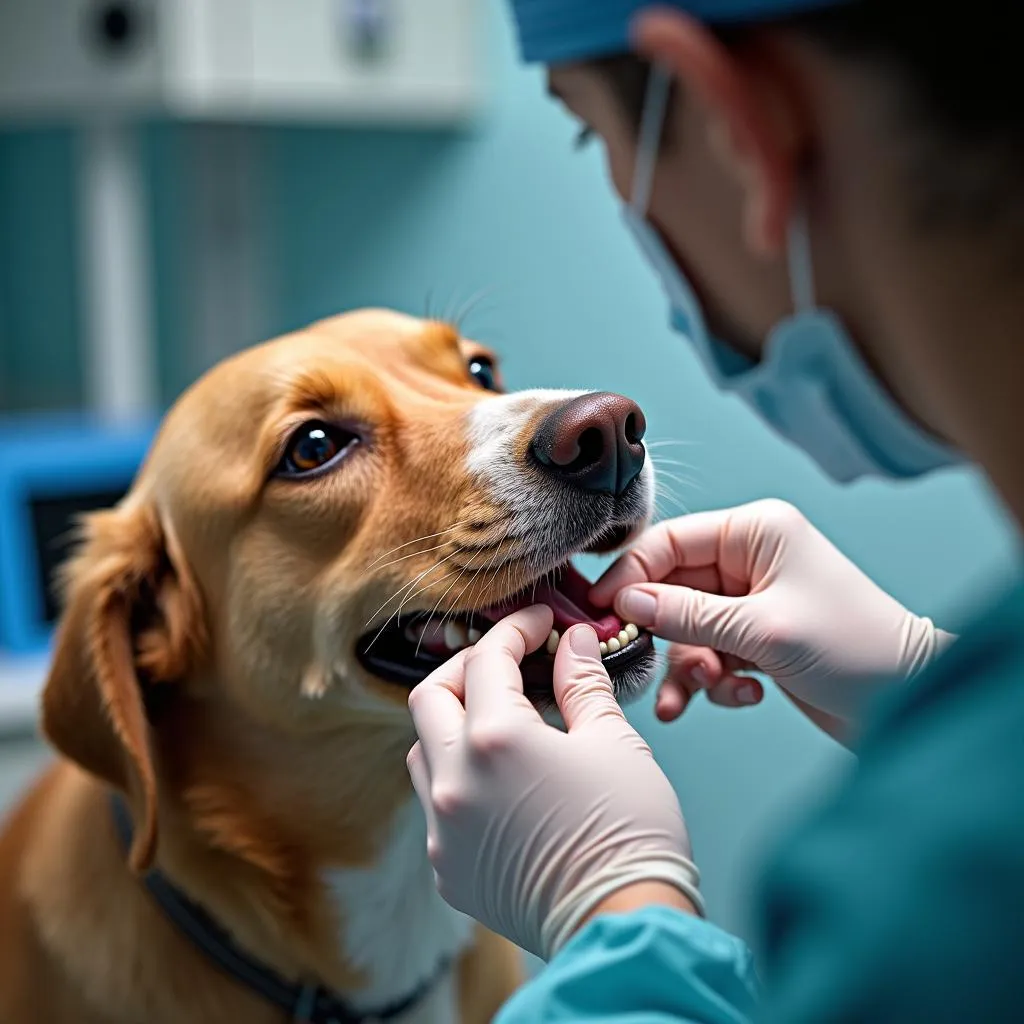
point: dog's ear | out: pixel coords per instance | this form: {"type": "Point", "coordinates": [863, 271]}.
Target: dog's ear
{"type": "Point", "coordinates": [132, 620]}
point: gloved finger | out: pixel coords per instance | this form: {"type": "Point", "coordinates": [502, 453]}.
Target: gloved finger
{"type": "Point", "coordinates": [704, 664]}
{"type": "Point", "coordinates": [419, 772]}
{"type": "Point", "coordinates": [703, 577]}
{"type": "Point", "coordinates": [715, 579]}
{"type": "Point", "coordinates": [687, 616]}
{"type": "Point", "coordinates": [736, 692]}
{"type": "Point", "coordinates": [675, 694]}
{"type": "Point", "coordinates": [583, 690]}
{"type": "Point", "coordinates": [732, 664]}
{"type": "Point", "coordinates": [493, 680]}
{"type": "Point", "coordinates": [437, 709]}
{"type": "Point", "coordinates": [701, 664]}
{"type": "Point", "coordinates": [690, 669]}
{"type": "Point", "coordinates": [838, 728]}
{"type": "Point", "coordinates": [686, 543]}
{"type": "Point", "coordinates": [672, 699]}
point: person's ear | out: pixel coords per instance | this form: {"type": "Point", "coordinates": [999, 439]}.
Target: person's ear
{"type": "Point", "coordinates": [754, 124]}
{"type": "Point", "coordinates": [133, 620]}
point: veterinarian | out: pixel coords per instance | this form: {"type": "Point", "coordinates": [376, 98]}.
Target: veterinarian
{"type": "Point", "coordinates": [832, 196]}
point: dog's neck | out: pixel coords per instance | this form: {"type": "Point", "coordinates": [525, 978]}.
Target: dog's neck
{"type": "Point", "coordinates": [396, 927]}
{"type": "Point", "coordinates": [312, 855]}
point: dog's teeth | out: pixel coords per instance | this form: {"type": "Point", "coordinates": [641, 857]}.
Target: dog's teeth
{"type": "Point", "coordinates": [552, 645]}
{"type": "Point", "coordinates": [455, 636]}
{"type": "Point", "coordinates": [603, 647]}
{"type": "Point", "coordinates": [623, 638]}
{"type": "Point", "coordinates": [614, 645]}
{"type": "Point", "coordinates": [631, 631]}
{"type": "Point", "coordinates": [473, 634]}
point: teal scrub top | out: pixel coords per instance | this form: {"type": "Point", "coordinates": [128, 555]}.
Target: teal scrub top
{"type": "Point", "coordinates": [902, 900]}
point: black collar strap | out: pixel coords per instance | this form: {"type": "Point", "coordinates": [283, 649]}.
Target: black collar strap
{"type": "Point", "coordinates": [310, 1003]}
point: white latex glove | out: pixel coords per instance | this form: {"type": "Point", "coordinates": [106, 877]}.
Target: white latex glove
{"type": "Point", "coordinates": [758, 587]}
{"type": "Point", "coordinates": [528, 827]}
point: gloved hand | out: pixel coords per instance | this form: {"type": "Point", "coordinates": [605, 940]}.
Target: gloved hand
{"type": "Point", "coordinates": [528, 827]}
{"type": "Point", "coordinates": [758, 587]}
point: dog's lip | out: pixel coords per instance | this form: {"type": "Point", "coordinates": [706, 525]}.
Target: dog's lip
{"type": "Point", "coordinates": [392, 657]}
{"type": "Point", "coordinates": [390, 654]}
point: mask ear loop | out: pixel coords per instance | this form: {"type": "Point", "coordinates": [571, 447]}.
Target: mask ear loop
{"type": "Point", "coordinates": [649, 138]}
{"type": "Point", "coordinates": [801, 262]}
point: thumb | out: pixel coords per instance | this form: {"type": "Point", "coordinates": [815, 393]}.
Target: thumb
{"type": "Point", "coordinates": [687, 616]}
{"type": "Point", "coordinates": [582, 687]}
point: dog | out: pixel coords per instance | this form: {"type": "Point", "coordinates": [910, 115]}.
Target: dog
{"type": "Point", "coordinates": [230, 833]}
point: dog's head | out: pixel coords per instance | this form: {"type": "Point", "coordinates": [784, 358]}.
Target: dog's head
{"type": "Point", "coordinates": [321, 521]}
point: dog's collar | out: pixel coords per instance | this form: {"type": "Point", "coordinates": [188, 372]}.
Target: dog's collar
{"type": "Point", "coordinates": [311, 1003]}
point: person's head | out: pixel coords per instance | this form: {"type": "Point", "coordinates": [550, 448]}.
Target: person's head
{"type": "Point", "coordinates": [900, 126]}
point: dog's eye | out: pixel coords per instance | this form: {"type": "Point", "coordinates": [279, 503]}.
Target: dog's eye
{"type": "Point", "coordinates": [481, 369]}
{"type": "Point", "coordinates": [313, 446]}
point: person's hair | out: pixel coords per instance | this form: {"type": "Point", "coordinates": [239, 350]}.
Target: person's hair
{"type": "Point", "coordinates": [957, 94]}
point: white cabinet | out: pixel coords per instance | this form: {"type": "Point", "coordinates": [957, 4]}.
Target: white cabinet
{"type": "Point", "coordinates": [242, 60]}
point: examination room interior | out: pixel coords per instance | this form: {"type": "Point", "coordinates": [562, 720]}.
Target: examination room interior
{"type": "Point", "coordinates": [252, 226]}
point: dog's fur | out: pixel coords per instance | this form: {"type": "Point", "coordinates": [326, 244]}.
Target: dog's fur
{"type": "Point", "coordinates": [204, 667]}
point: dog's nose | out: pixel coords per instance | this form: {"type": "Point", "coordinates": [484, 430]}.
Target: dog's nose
{"type": "Point", "coordinates": [594, 442]}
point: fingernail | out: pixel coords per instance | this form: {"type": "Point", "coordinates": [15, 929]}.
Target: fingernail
{"type": "Point", "coordinates": [701, 677]}
{"type": "Point", "coordinates": [583, 641]}
{"type": "Point", "coordinates": [639, 607]}
{"type": "Point", "coordinates": [746, 694]}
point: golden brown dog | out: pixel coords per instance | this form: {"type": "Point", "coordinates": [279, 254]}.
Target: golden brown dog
{"type": "Point", "coordinates": [320, 522]}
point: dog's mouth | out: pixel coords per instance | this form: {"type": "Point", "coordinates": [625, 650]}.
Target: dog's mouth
{"type": "Point", "coordinates": [406, 652]}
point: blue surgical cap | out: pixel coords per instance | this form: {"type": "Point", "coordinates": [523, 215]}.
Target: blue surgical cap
{"type": "Point", "coordinates": [561, 31]}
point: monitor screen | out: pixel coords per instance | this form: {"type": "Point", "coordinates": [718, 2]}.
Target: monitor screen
{"type": "Point", "coordinates": [54, 522]}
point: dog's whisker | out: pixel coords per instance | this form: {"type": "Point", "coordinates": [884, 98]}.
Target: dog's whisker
{"type": "Point", "coordinates": [671, 495]}
{"type": "Point", "coordinates": [664, 487]}
{"type": "Point", "coordinates": [408, 586]}
{"type": "Point", "coordinates": [397, 615]}
{"type": "Point", "coordinates": [676, 508]}
{"type": "Point", "coordinates": [410, 594]}
{"type": "Point", "coordinates": [453, 605]}
{"type": "Point", "coordinates": [685, 485]}
{"type": "Point", "coordinates": [428, 585]}
{"type": "Point", "coordinates": [462, 573]}
{"type": "Point", "coordinates": [448, 308]}
{"type": "Point", "coordinates": [408, 597]}
{"type": "Point", "coordinates": [469, 305]}
{"type": "Point", "coordinates": [477, 577]}
{"type": "Point", "coordinates": [664, 490]}
{"type": "Point", "coordinates": [660, 459]}
{"type": "Point", "coordinates": [669, 475]}
{"type": "Point", "coordinates": [431, 583]}
{"type": "Point", "coordinates": [413, 554]}
{"type": "Point", "coordinates": [416, 540]}
{"type": "Point", "coordinates": [666, 442]}
{"type": "Point", "coordinates": [510, 531]}
{"type": "Point", "coordinates": [663, 513]}
{"type": "Point", "coordinates": [676, 465]}
{"type": "Point", "coordinates": [658, 462]}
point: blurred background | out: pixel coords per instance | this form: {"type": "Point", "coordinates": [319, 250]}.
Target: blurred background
{"type": "Point", "coordinates": [180, 179]}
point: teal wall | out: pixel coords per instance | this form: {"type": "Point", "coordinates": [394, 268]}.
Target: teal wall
{"type": "Point", "coordinates": [392, 218]}
{"type": "Point", "coordinates": [39, 364]}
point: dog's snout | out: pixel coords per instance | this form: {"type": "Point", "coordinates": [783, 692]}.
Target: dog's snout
{"type": "Point", "coordinates": [594, 442]}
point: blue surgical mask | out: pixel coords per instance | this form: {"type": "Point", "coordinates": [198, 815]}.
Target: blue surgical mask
{"type": "Point", "coordinates": [811, 385]}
